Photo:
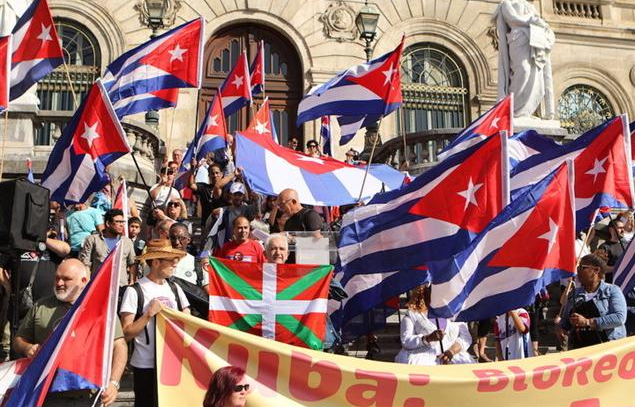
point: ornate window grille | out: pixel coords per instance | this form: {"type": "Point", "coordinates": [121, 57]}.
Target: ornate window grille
{"type": "Point", "coordinates": [582, 107]}
{"type": "Point", "coordinates": [82, 56]}
{"type": "Point", "coordinates": [435, 95]}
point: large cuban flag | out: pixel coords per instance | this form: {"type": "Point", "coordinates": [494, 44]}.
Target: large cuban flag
{"type": "Point", "coordinates": [271, 168]}
{"type": "Point", "coordinates": [91, 141]}
{"type": "Point", "coordinates": [530, 244]}
{"type": "Point", "coordinates": [373, 88]}
{"type": "Point", "coordinates": [431, 218]}
{"type": "Point", "coordinates": [148, 76]}
{"type": "Point", "coordinates": [603, 176]}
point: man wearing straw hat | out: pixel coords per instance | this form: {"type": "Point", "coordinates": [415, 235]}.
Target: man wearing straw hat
{"type": "Point", "coordinates": [141, 302]}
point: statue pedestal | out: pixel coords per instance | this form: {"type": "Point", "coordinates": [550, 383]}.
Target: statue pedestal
{"type": "Point", "coordinates": [549, 128]}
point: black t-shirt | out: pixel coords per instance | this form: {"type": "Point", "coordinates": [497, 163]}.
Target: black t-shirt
{"type": "Point", "coordinates": [306, 220]}
{"type": "Point", "coordinates": [205, 193]}
{"type": "Point", "coordinates": [45, 276]}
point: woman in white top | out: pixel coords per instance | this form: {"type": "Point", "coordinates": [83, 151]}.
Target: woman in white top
{"type": "Point", "coordinates": [421, 338]}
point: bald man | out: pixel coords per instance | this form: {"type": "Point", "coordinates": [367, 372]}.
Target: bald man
{"type": "Point", "coordinates": [71, 277]}
{"type": "Point", "coordinates": [300, 219]}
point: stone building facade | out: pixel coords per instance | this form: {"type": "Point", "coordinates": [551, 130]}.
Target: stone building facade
{"type": "Point", "coordinates": [449, 65]}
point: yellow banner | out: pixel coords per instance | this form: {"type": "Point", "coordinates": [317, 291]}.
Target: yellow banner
{"type": "Point", "coordinates": [189, 350]}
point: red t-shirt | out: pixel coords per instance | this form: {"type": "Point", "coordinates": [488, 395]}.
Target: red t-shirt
{"type": "Point", "coordinates": [250, 251]}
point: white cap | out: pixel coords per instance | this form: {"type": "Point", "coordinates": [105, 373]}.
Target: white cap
{"type": "Point", "coordinates": [237, 187]}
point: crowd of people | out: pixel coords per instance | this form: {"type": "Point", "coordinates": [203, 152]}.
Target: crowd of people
{"type": "Point", "coordinates": [165, 267]}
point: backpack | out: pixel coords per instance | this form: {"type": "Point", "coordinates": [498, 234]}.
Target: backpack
{"type": "Point", "coordinates": [141, 300]}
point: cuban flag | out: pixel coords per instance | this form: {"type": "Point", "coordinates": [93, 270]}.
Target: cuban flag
{"type": "Point", "coordinates": [436, 215]}
{"type": "Point", "coordinates": [180, 181]}
{"type": "Point", "coordinates": [527, 144]}
{"type": "Point", "coordinates": [10, 374]}
{"type": "Point", "coordinates": [530, 244]}
{"type": "Point", "coordinates": [149, 76]}
{"type": "Point", "coordinates": [91, 141]}
{"type": "Point", "coordinates": [78, 353]}
{"type": "Point", "coordinates": [257, 71]}
{"type": "Point", "coordinates": [624, 271]}
{"type": "Point", "coordinates": [373, 88]}
{"type": "Point", "coordinates": [236, 89]}
{"type": "Point", "coordinates": [497, 119]}
{"type": "Point", "coordinates": [36, 48]}
{"type": "Point", "coordinates": [322, 181]}
{"type": "Point", "coordinates": [262, 124]}
{"type": "Point", "coordinates": [121, 202]}
{"type": "Point", "coordinates": [603, 169]}
{"type": "Point", "coordinates": [350, 125]}
{"type": "Point", "coordinates": [325, 135]}
{"type": "Point", "coordinates": [5, 71]}
{"type": "Point", "coordinates": [29, 171]}
{"type": "Point", "coordinates": [212, 135]}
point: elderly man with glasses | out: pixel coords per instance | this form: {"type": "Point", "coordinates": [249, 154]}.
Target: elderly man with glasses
{"type": "Point", "coordinates": [188, 268]}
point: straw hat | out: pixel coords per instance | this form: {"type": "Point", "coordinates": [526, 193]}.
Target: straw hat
{"type": "Point", "coordinates": [160, 249]}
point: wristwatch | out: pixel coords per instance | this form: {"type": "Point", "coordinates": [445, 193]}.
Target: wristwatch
{"type": "Point", "coordinates": [116, 384]}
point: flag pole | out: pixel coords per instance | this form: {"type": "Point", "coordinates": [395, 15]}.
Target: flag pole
{"type": "Point", "coordinates": [70, 83]}
{"type": "Point", "coordinates": [4, 141]}
{"type": "Point", "coordinates": [146, 187]}
{"type": "Point", "coordinates": [168, 145]}
{"type": "Point", "coordinates": [370, 159]}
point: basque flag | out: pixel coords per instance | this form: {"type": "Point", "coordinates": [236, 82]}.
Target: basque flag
{"type": "Point", "coordinates": [78, 353]}
{"type": "Point", "coordinates": [325, 135]}
{"type": "Point", "coordinates": [322, 181]}
{"type": "Point", "coordinates": [530, 244]}
{"type": "Point", "coordinates": [91, 141]}
{"type": "Point", "coordinates": [497, 119]}
{"type": "Point", "coordinates": [212, 135]}
{"type": "Point", "coordinates": [5, 71]}
{"type": "Point", "coordinates": [257, 71]}
{"type": "Point", "coordinates": [36, 48]}
{"type": "Point", "coordinates": [431, 218]}
{"type": "Point", "coordinates": [236, 89]}
{"type": "Point", "coordinates": [603, 169]}
{"type": "Point", "coordinates": [262, 123]}
{"type": "Point", "coordinates": [373, 88]}
{"type": "Point", "coordinates": [148, 76]}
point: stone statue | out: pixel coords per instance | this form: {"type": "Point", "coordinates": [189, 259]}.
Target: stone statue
{"type": "Point", "coordinates": [524, 63]}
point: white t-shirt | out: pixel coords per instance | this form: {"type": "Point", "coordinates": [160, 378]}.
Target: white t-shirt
{"type": "Point", "coordinates": [185, 270]}
{"type": "Point", "coordinates": [143, 355]}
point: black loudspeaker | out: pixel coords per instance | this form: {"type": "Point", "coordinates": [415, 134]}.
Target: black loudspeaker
{"type": "Point", "coordinates": [24, 214]}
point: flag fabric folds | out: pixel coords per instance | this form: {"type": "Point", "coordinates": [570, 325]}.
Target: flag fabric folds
{"type": "Point", "coordinates": [602, 164]}
{"type": "Point", "coordinates": [236, 89]}
{"type": "Point", "coordinates": [78, 353]}
{"type": "Point", "coordinates": [624, 271]}
{"type": "Point", "coordinates": [350, 125]}
{"type": "Point", "coordinates": [372, 88]}
{"type": "Point", "coordinates": [498, 118]}
{"type": "Point", "coordinates": [257, 71]}
{"type": "Point", "coordinates": [149, 76]}
{"type": "Point", "coordinates": [92, 140]}
{"type": "Point", "coordinates": [431, 218]}
{"type": "Point", "coordinates": [527, 246]}
{"type": "Point", "coordinates": [320, 181]}
{"type": "Point", "coordinates": [36, 49]}
{"type": "Point", "coordinates": [10, 373]}
{"type": "Point", "coordinates": [5, 71]}
{"type": "Point", "coordinates": [284, 302]}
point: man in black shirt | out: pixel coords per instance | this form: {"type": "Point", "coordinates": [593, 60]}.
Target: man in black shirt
{"type": "Point", "coordinates": [300, 219]}
{"type": "Point", "coordinates": [210, 195]}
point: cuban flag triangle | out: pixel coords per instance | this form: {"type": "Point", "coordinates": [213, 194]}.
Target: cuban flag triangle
{"type": "Point", "coordinates": [262, 123]}
{"type": "Point", "coordinates": [78, 353]}
{"type": "Point", "coordinates": [498, 118]}
{"type": "Point", "coordinates": [5, 71]}
{"type": "Point", "coordinates": [322, 181]}
{"type": "Point", "coordinates": [148, 76]}
{"type": "Point", "coordinates": [602, 161]}
{"type": "Point", "coordinates": [325, 135]}
{"type": "Point", "coordinates": [92, 140]}
{"type": "Point", "coordinates": [236, 89]}
{"type": "Point", "coordinates": [433, 217]}
{"type": "Point", "coordinates": [373, 88]}
{"type": "Point", "coordinates": [212, 135]}
{"type": "Point", "coordinates": [257, 71]}
{"type": "Point", "coordinates": [121, 202]}
{"type": "Point", "coordinates": [36, 48]}
{"type": "Point", "coordinates": [529, 245]}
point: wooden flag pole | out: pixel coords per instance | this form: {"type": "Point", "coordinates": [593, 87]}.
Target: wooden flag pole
{"type": "Point", "coordinates": [70, 83]}
{"type": "Point", "coordinates": [370, 160]}
{"type": "Point", "coordinates": [4, 141]}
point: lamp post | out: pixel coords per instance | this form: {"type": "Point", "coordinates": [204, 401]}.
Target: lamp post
{"type": "Point", "coordinates": [154, 19]}
{"type": "Point", "coordinates": [366, 22]}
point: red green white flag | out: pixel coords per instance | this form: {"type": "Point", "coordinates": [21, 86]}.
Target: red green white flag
{"type": "Point", "coordinates": [284, 302]}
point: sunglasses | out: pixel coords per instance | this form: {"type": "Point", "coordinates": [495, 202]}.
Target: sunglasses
{"type": "Point", "coordinates": [174, 204]}
{"type": "Point", "coordinates": [312, 145]}
{"type": "Point", "coordinates": [241, 387]}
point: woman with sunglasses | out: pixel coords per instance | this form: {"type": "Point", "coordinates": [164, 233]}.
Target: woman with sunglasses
{"type": "Point", "coordinates": [228, 387]}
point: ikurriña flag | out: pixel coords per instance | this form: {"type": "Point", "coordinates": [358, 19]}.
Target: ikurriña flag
{"type": "Point", "coordinates": [283, 302]}
{"type": "Point", "coordinates": [530, 244]}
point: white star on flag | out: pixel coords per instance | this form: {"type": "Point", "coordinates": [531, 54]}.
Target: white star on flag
{"type": "Point", "coordinates": [90, 133]}
{"type": "Point", "coordinates": [598, 168]}
{"type": "Point", "coordinates": [45, 35]}
{"type": "Point", "coordinates": [312, 159]}
{"type": "Point", "coordinates": [238, 81]}
{"type": "Point", "coordinates": [212, 121]}
{"type": "Point", "coordinates": [470, 193]}
{"type": "Point", "coordinates": [495, 122]}
{"type": "Point", "coordinates": [551, 235]}
{"type": "Point", "coordinates": [261, 127]}
{"type": "Point", "coordinates": [388, 74]}
{"type": "Point", "coordinates": [177, 53]}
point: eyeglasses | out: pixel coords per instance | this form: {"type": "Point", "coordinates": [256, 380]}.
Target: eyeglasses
{"type": "Point", "coordinates": [119, 221]}
{"type": "Point", "coordinates": [241, 387]}
{"type": "Point", "coordinates": [174, 204]}
{"type": "Point", "coordinates": [283, 203]}
{"type": "Point", "coordinates": [181, 238]}
{"type": "Point", "coordinates": [584, 266]}
{"type": "Point", "coordinates": [312, 145]}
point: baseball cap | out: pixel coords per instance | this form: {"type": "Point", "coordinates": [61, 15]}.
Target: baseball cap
{"type": "Point", "coordinates": [237, 187]}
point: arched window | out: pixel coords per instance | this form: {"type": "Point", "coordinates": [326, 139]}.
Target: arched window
{"type": "Point", "coordinates": [582, 107]}
{"type": "Point", "coordinates": [435, 94]}
{"type": "Point", "coordinates": [283, 75]}
{"type": "Point", "coordinates": [83, 59]}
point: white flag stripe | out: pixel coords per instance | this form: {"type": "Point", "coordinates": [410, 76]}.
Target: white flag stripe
{"type": "Point", "coordinates": [282, 174]}
{"type": "Point", "coordinates": [21, 69]}
{"type": "Point", "coordinates": [264, 306]}
{"type": "Point", "coordinates": [535, 174]}
{"type": "Point", "coordinates": [507, 280]}
{"type": "Point", "coordinates": [269, 287]}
